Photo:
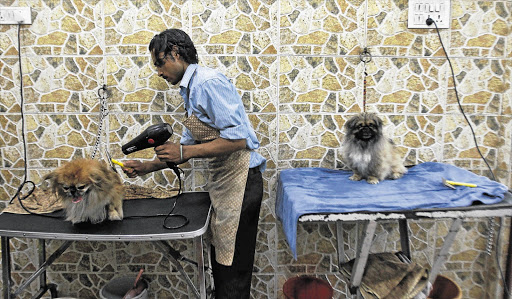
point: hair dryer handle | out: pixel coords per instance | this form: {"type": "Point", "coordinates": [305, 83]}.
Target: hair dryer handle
{"type": "Point", "coordinates": [175, 168]}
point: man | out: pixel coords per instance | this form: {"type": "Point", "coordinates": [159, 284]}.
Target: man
{"type": "Point", "coordinates": [217, 128]}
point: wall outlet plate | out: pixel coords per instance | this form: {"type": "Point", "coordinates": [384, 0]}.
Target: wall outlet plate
{"type": "Point", "coordinates": [15, 15]}
{"type": "Point", "coordinates": [421, 10]}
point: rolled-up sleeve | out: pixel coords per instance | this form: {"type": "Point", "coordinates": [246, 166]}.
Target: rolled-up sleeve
{"type": "Point", "coordinates": [186, 137]}
{"type": "Point", "coordinates": [215, 101]}
{"type": "Point", "coordinates": [222, 105]}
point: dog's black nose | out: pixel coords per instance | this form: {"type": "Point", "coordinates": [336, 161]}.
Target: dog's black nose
{"type": "Point", "coordinates": [365, 133]}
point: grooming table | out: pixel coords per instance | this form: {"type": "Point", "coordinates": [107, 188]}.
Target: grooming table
{"type": "Point", "coordinates": [327, 195]}
{"type": "Point", "coordinates": [193, 205]}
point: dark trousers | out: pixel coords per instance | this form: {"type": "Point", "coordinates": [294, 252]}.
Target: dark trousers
{"type": "Point", "coordinates": [235, 281]}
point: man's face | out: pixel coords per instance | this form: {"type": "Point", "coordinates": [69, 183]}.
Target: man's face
{"type": "Point", "coordinates": [170, 67]}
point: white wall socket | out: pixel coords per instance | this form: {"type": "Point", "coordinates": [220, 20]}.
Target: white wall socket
{"type": "Point", "coordinates": [15, 15]}
{"type": "Point", "coordinates": [421, 10]}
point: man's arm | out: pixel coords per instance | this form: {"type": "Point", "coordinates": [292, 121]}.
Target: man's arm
{"type": "Point", "coordinates": [214, 148]}
{"type": "Point", "coordinates": [133, 168]}
{"type": "Point", "coordinates": [170, 152]}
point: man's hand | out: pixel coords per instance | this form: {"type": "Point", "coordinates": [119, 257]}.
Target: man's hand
{"type": "Point", "coordinates": [134, 168]}
{"type": "Point", "coordinates": [169, 152]}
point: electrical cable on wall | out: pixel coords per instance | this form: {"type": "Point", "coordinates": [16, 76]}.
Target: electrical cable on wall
{"type": "Point", "coordinates": [430, 22]}
{"type": "Point", "coordinates": [491, 223]}
{"type": "Point", "coordinates": [25, 181]}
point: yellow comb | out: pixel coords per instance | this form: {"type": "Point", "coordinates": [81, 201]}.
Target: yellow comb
{"type": "Point", "coordinates": [450, 184]}
{"type": "Point", "coordinates": [460, 184]}
{"type": "Point", "coordinates": [117, 162]}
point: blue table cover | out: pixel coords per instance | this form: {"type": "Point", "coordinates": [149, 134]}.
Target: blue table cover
{"type": "Point", "coordinates": [303, 191]}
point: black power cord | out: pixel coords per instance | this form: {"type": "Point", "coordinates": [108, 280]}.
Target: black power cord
{"type": "Point", "coordinates": [429, 22]}
{"type": "Point", "coordinates": [170, 215]}
{"type": "Point", "coordinates": [18, 194]}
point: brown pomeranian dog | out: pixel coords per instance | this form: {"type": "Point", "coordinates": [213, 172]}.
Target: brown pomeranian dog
{"type": "Point", "coordinates": [368, 153]}
{"type": "Point", "coordinates": [90, 191]}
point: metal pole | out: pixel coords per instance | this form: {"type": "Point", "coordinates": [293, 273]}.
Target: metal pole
{"type": "Point", "coordinates": [6, 268]}
{"type": "Point", "coordinates": [43, 267]}
{"type": "Point", "coordinates": [198, 242]}
{"type": "Point", "coordinates": [362, 256]}
{"type": "Point", "coordinates": [340, 243]}
{"type": "Point", "coordinates": [404, 237]}
{"type": "Point", "coordinates": [508, 271]}
{"type": "Point", "coordinates": [166, 248]}
{"type": "Point", "coordinates": [443, 253]}
{"type": "Point", "coordinates": [42, 259]}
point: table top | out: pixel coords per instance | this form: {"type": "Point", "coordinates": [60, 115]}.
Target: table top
{"type": "Point", "coordinates": [137, 225]}
{"type": "Point", "coordinates": [322, 194]}
{"type": "Point", "coordinates": [501, 209]}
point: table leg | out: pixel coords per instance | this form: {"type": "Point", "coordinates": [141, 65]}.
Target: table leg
{"type": "Point", "coordinates": [340, 241]}
{"type": "Point", "coordinates": [198, 242]}
{"type": "Point", "coordinates": [362, 256]}
{"type": "Point", "coordinates": [404, 238]}
{"type": "Point", "coordinates": [43, 267]}
{"type": "Point", "coordinates": [167, 249]}
{"type": "Point", "coordinates": [508, 263]}
{"type": "Point", "coordinates": [42, 258]}
{"type": "Point", "coordinates": [44, 286]}
{"type": "Point", "coordinates": [443, 254]}
{"type": "Point", "coordinates": [6, 268]}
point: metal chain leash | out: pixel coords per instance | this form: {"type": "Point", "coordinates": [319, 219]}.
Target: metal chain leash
{"type": "Point", "coordinates": [365, 57]}
{"type": "Point", "coordinates": [102, 95]}
{"type": "Point", "coordinates": [490, 236]}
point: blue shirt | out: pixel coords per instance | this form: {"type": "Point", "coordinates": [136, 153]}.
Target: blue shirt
{"type": "Point", "coordinates": [216, 102]}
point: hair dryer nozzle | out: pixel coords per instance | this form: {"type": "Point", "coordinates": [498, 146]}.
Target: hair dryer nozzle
{"type": "Point", "coordinates": [153, 136]}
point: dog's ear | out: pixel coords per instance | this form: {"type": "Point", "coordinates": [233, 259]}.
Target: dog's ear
{"type": "Point", "coordinates": [378, 121]}
{"type": "Point", "coordinates": [352, 122]}
{"type": "Point", "coordinates": [101, 173]}
{"type": "Point", "coordinates": [96, 176]}
{"type": "Point", "coordinates": [48, 181]}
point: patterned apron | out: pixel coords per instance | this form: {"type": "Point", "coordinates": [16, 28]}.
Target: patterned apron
{"type": "Point", "coordinates": [226, 186]}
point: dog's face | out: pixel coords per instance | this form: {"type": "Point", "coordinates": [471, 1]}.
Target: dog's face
{"type": "Point", "coordinates": [86, 187]}
{"type": "Point", "coordinates": [367, 152]}
{"type": "Point", "coordinates": [74, 179]}
{"type": "Point", "coordinates": [364, 127]}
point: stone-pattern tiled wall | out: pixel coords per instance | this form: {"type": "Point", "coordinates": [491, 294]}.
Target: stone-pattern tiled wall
{"type": "Point", "coordinates": [296, 65]}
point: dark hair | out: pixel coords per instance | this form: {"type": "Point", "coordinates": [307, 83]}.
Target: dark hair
{"type": "Point", "coordinates": [172, 40]}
